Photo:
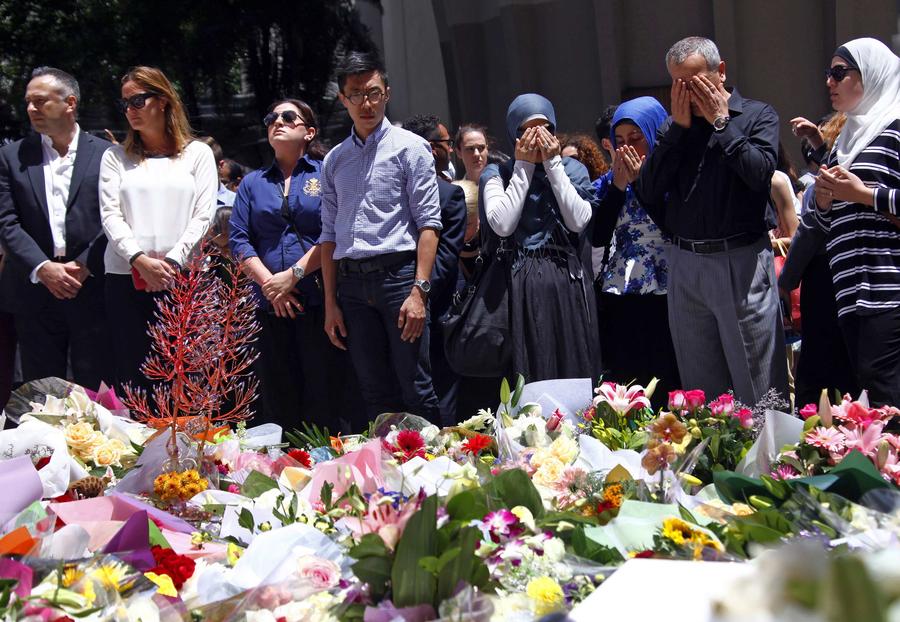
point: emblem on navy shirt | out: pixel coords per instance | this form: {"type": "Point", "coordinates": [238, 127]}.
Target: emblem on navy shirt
{"type": "Point", "coordinates": [312, 187]}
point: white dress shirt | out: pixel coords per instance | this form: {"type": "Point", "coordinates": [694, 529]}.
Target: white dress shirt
{"type": "Point", "coordinates": [57, 180]}
{"type": "Point", "coordinates": [161, 206]}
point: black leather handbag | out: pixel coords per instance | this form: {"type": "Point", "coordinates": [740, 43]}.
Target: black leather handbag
{"type": "Point", "coordinates": [476, 328]}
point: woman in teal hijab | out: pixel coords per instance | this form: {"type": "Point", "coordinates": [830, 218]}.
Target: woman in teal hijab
{"type": "Point", "coordinates": [540, 204]}
{"type": "Point", "coordinates": [634, 278]}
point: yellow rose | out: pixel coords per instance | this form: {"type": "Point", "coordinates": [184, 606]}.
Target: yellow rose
{"type": "Point", "coordinates": [550, 472]}
{"type": "Point", "coordinates": [107, 454]}
{"type": "Point", "coordinates": [80, 435]}
{"type": "Point", "coordinates": [564, 449]}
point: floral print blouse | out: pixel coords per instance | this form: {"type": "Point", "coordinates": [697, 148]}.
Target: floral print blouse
{"type": "Point", "coordinates": [638, 262]}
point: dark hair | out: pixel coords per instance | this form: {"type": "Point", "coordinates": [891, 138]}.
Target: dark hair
{"type": "Point", "coordinates": [422, 124]}
{"type": "Point", "coordinates": [589, 153]}
{"type": "Point", "coordinates": [604, 122]}
{"type": "Point", "coordinates": [316, 150]}
{"type": "Point", "coordinates": [234, 171]}
{"type": "Point", "coordinates": [220, 221]}
{"type": "Point", "coordinates": [356, 63]}
{"type": "Point", "coordinates": [466, 128]}
{"type": "Point", "coordinates": [495, 156]}
{"type": "Point", "coordinates": [218, 154]}
{"type": "Point", "coordinates": [786, 166]}
{"type": "Point", "coordinates": [68, 81]}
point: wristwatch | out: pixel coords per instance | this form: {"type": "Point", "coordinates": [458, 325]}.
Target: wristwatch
{"type": "Point", "coordinates": [721, 123]}
{"type": "Point", "coordinates": [424, 285]}
{"type": "Point", "coordinates": [298, 271]}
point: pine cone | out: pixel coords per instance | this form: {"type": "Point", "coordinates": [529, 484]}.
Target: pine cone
{"type": "Point", "coordinates": [88, 487]}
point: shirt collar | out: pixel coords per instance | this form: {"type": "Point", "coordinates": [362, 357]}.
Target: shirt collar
{"type": "Point", "coordinates": [375, 136]}
{"type": "Point", "coordinates": [735, 102]}
{"type": "Point", "coordinates": [304, 163]}
{"type": "Point", "coordinates": [73, 146]}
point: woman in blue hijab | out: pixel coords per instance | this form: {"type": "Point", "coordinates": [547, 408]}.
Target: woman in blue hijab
{"type": "Point", "coordinates": [634, 324]}
{"type": "Point", "coordinates": [539, 205]}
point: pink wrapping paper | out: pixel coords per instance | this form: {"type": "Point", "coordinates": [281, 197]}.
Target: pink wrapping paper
{"type": "Point", "coordinates": [21, 487]}
{"type": "Point", "coordinates": [362, 467]}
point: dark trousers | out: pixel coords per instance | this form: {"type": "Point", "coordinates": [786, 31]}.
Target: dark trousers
{"type": "Point", "coordinates": [7, 356]}
{"type": "Point", "coordinates": [64, 331]}
{"type": "Point", "coordinates": [446, 381]}
{"type": "Point", "coordinates": [874, 345]}
{"type": "Point", "coordinates": [394, 375]}
{"type": "Point", "coordinates": [130, 311]}
{"type": "Point", "coordinates": [645, 350]}
{"type": "Point", "coordinates": [303, 377]}
{"type": "Point", "coordinates": [824, 362]}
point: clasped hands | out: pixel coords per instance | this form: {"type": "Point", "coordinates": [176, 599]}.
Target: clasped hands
{"type": "Point", "coordinates": [64, 280]}
{"type": "Point", "coordinates": [710, 100]}
{"type": "Point", "coordinates": [839, 184]}
{"type": "Point", "coordinates": [627, 164]}
{"type": "Point", "coordinates": [537, 145]}
{"type": "Point", "coordinates": [279, 290]}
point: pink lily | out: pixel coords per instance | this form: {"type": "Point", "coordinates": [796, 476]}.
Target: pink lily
{"type": "Point", "coordinates": [620, 398]}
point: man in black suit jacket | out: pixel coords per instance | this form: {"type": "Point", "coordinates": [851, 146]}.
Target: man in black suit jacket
{"type": "Point", "coordinates": [50, 228]}
{"type": "Point", "coordinates": [445, 273]}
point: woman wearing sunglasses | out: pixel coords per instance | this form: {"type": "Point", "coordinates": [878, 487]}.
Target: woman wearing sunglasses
{"type": "Point", "coordinates": [858, 200]}
{"type": "Point", "coordinates": [157, 195]}
{"type": "Point", "coordinates": [275, 225]}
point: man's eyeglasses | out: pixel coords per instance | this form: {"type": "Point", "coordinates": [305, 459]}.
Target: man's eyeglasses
{"type": "Point", "coordinates": [438, 141]}
{"type": "Point", "coordinates": [838, 72]}
{"type": "Point", "coordinates": [374, 96]}
{"type": "Point", "coordinates": [288, 116]}
{"type": "Point", "coordinates": [135, 101]}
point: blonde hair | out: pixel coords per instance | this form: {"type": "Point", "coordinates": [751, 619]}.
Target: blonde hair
{"type": "Point", "coordinates": [177, 126]}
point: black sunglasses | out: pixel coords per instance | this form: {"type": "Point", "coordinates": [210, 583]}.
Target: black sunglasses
{"type": "Point", "coordinates": [838, 72]}
{"type": "Point", "coordinates": [288, 116]}
{"type": "Point", "coordinates": [135, 101]}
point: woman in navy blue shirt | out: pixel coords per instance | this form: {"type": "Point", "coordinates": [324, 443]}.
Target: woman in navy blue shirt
{"type": "Point", "coordinates": [275, 225]}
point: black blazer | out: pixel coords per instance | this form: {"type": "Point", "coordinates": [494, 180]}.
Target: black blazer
{"type": "Point", "coordinates": [446, 260]}
{"type": "Point", "coordinates": [25, 225]}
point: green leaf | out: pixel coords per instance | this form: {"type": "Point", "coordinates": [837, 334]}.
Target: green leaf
{"type": "Point", "coordinates": [589, 549]}
{"type": "Point", "coordinates": [413, 585]}
{"type": "Point", "coordinates": [256, 484]}
{"type": "Point", "coordinates": [736, 487]}
{"type": "Point", "coordinates": [512, 488]}
{"type": "Point", "coordinates": [686, 514]}
{"type": "Point", "coordinates": [517, 394]}
{"type": "Point", "coordinates": [468, 505]}
{"type": "Point", "coordinates": [458, 564]}
{"type": "Point", "coordinates": [370, 545]}
{"type": "Point", "coordinates": [504, 391]}
{"type": "Point", "coordinates": [376, 571]}
{"type": "Point", "coordinates": [325, 494]}
{"type": "Point", "coordinates": [245, 519]}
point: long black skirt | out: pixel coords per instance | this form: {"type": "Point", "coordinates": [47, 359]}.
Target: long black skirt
{"type": "Point", "coordinates": [553, 319]}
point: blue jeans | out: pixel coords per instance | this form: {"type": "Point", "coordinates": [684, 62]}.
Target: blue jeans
{"type": "Point", "coordinates": [394, 375]}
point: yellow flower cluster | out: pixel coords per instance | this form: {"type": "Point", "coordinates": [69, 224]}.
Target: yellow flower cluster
{"type": "Point", "coordinates": [174, 485]}
{"type": "Point", "coordinates": [683, 534]}
{"type": "Point", "coordinates": [614, 494]}
{"type": "Point", "coordinates": [90, 445]}
{"type": "Point", "coordinates": [546, 595]}
{"type": "Point", "coordinates": [551, 461]}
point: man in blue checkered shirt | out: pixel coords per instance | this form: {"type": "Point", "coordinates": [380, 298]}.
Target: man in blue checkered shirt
{"type": "Point", "coordinates": [380, 224]}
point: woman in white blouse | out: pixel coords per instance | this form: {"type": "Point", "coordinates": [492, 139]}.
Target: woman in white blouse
{"type": "Point", "coordinates": [541, 204]}
{"type": "Point", "coordinates": [157, 195]}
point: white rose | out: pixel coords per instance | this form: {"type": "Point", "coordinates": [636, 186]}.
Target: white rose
{"type": "Point", "coordinates": [549, 473]}
{"type": "Point", "coordinates": [79, 402]}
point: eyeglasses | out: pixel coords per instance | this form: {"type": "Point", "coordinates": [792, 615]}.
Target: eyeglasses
{"type": "Point", "coordinates": [288, 116]}
{"type": "Point", "coordinates": [374, 96]}
{"type": "Point", "coordinates": [448, 141]}
{"type": "Point", "coordinates": [135, 101]}
{"type": "Point", "coordinates": [838, 72]}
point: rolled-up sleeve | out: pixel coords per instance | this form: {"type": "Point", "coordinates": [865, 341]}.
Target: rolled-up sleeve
{"type": "Point", "coordinates": [329, 200]}
{"type": "Point", "coordinates": [421, 188]}
{"type": "Point", "coordinates": [239, 225]}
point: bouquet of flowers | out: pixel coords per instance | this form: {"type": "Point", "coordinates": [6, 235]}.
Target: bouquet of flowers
{"type": "Point", "coordinates": [619, 414]}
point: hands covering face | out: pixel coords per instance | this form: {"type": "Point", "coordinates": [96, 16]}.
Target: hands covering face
{"type": "Point", "coordinates": [537, 145]}
{"type": "Point", "coordinates": [626, 166]}
{"type": "Point", "coordinates": [711, 100]}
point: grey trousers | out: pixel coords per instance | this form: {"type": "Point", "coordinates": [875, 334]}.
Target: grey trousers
{"type": "Point", "coordinates": [725, 319]}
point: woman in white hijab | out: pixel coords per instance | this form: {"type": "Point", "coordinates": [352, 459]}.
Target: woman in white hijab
{"type": "Point", "coordinates": [858, 200]}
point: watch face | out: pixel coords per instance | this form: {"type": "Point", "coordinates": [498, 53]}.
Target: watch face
{"type": "Point", "coordinates": [425, 286]}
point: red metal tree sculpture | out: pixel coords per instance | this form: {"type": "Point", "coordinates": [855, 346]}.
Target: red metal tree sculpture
{"type": "Point", "coordinates": [201, 351]}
